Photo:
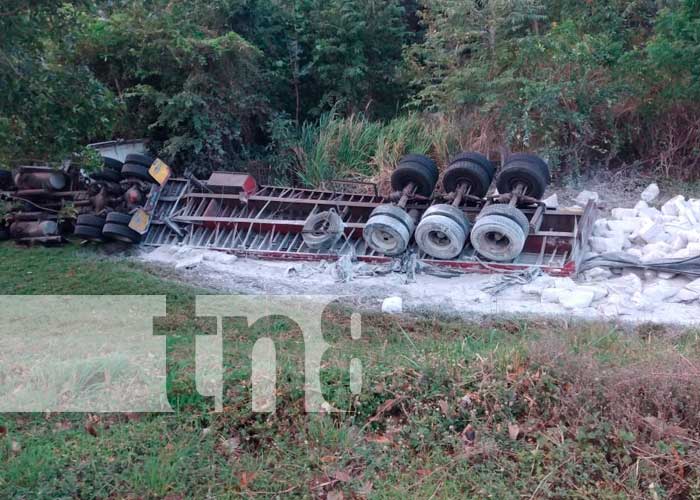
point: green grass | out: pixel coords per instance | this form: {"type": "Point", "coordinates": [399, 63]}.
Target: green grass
{"type": "Point", "coordinates": [580, 395]}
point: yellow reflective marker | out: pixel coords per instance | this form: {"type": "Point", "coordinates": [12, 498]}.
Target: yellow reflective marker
{"type": "Point", "coordinates": [140, 221]}
{"type": "Point", "coordinates": [160, 171]}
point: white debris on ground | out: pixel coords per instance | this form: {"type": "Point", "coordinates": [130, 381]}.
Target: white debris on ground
{"type": "Point", "coordinates": [552, 201]}
{"type": "Point", "coordinates": [392, 305]}
{"type": "Point", "coordinates": [649, 233]}
{"type": "Point", "coordinates": [644, 231]}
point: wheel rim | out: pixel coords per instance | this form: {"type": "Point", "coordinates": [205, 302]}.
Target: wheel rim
{"type": "Point", "coordinates": [386, 235]}
{"type": "Point", "coordinates": [440, 237]}
{"type": "Point", "coordinates": [498, 238]}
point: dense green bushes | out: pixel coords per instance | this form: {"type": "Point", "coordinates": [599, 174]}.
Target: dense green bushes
{"type": "Point", "coordinates": [317, 89]}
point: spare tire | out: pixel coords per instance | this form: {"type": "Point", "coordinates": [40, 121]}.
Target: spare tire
{"type": "Point", "coordinates": [120, 232]}
{"type": "Point", "coordinates": [322, 230]}
{"type": "Point", "coordinates": [139, 159]}
{"type": "Point", "coordinates": [118, 218]}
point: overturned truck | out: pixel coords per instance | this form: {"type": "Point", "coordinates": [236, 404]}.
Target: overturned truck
{"type": "Point", "coordinates": [459, 226]}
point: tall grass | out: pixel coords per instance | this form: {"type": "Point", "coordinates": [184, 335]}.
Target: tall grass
{"type": "Point", "coordinates": [355, 147]}
{"type": "Point", "coordinates": [336, 148]}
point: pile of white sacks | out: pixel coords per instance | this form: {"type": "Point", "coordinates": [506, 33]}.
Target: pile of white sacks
{"type": "Point", "coordinates": [648, 233]}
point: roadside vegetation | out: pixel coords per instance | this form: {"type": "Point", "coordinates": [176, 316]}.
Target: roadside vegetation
{"type": "Point", "coordinates": [304, 91]}
{"type": "Point", "coordinates": [499, 409]}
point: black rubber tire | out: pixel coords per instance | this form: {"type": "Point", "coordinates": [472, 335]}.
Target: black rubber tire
{"type": "Point", "coordinates": [466, 171]}
{"type": "Point", "coordinates": [426, 161]}
{"type": "Point", "coordinates": [511, 213]}
{"type": "Point", "coordinates": [90, 220]}
{"type": "Point", "coordinates": [477, 158]}
{"type": "Point", "coordinates": [417, 173]}
{"type": "Point", "coordinates": [107, 174]}
{"type": "Point", "coordinates": [5, 179]}
{"type": "Point", "coordinates": [120, 232]}
{"type": "Point", "coordinates": [535, 160]}
{"type": "Point", "coordinates": [136, 171]}
{"type": "Point", "coordinates": [112, 163]}
{"type": "Point", "coordinates": [118, 218]}
{"type": "Point", "coordinates": [143, 160]}
{"type": "Point", "coordinates": [521, 172]}
{"type": "Point", "coordinates": [91, 233]}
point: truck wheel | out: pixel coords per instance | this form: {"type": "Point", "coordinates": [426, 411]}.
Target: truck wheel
{"type": "Point", "coordinates": [386, 235]}
{"type": "Point", "coordinates": [90, 233]}
{"type": "Point", "coordinates": [497, 238]}
{"type": "Point", "coordinates": [473, 174]}
{"type": "Point", "coordinates": [440, 237]}
{"type": "Point", "coordinates": [477, 158]}
{"type": "Point", "coordinates": [139, 159]}
{"type": "Point", "coordinates": [136, 171]}
{"type": "Point", "coordinates": [535, 160]}
{"type": "Point", "coordinates": [112, 163]}
{"type": "Point", "coordinates": [525, 173]}
{"type": "Point", "coordinates": [120, 232]}
{"type": "Point", "coordinates": [107, 174]}
{"type": "Point", "coordinates": [90, 220]}
{"type": "Point", "coordinates": [418, 169]}
{"type": "Point", "coordinates": [507, 211]}
{"type": "Point", "coordinates": [118, 218]}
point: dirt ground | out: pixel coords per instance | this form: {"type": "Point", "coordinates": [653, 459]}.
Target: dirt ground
{"type": "Point", "coordinates": [618, 188]}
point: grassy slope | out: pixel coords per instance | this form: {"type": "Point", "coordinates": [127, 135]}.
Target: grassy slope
{"type": "Point", "coordinates": [581, 410]}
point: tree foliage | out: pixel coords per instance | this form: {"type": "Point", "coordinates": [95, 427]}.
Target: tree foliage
{"type": "Point", "coordinates": [48, 107]}
{"type": "Point", "coordinates": [219, 83]}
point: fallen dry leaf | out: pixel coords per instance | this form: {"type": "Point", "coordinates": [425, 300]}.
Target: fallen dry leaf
{"type": "Point", "coordinates": [342, 475]}
{"type": "Point", "coordinates": [365, 490]}
{"type": "Point", "coordinates": [246, 478]}
{"type": "Point", "coordinates": [328, 459]}
{"type": "Point", "coordinates": [513, 431]}
{"type": "Point", "coordinates": [63, 425]}
{"type": "Point", "coordinates": [229, 447]}
{"type": "Point", "coordinates": [444, 407]}
{"type": "Point", "coordinates": [90, 429]}
{"type": "Point", "coordinates": [15, 447]}
{"type": "Point", "coordinates": [468, 435]}
{"type": "Point", "coordinates": [335, 495]}
{"type": "Point", "coordinates": [385, 407]}
{"type": "Point", "coordinates": [378, 438]}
